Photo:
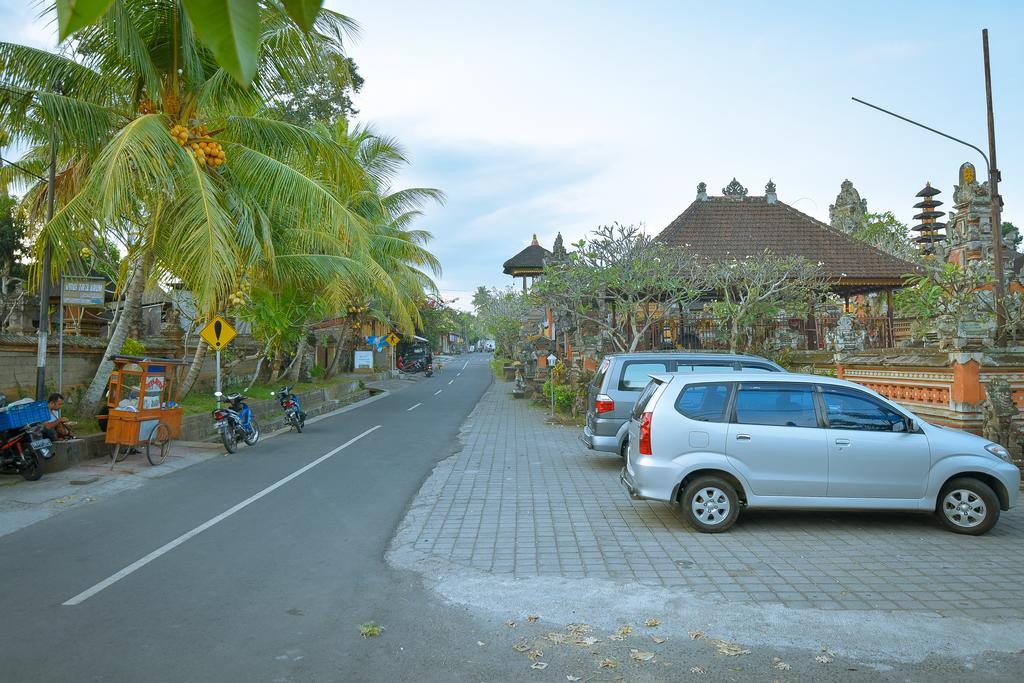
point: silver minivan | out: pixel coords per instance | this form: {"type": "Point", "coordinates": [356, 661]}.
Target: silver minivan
{"type": "Point", "coordinates": [622, 376]}
{"type": "Point", "coordinates": [716, 443]}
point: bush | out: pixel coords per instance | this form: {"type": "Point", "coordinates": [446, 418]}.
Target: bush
{"type": "Point", "coordinates": [564, 395]}
{"type": "Point", "coordinates": [317, 371]}
{"type": "Point", "coordinates": [133, 347]}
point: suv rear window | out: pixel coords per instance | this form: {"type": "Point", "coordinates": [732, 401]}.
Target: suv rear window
{"type": "Point", "coordinates": [636, 374]}
{"type": "Point", "coordinates": [602, 370]}
{"type": "Point", "coordinates": [645, 397]}
{"type": "Point", "coordinates": [704, 402]}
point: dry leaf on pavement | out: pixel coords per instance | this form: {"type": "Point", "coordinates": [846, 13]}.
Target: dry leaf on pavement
{"type": "Point", "coordinates": [625, 630]}
{"type": "Point", "coordinates": [521, 645]}
{"type": "Point", "coordinates": [532, 617]}
{"type": "Point", "coordinates": [534, 654]}
{"type": "Point", "coordinates": [510, 623]}
{"type": "Point", "coordinates": [694, 635]}
{"type": "Point", "coordinates": [652, 623]}
{"type": "Point", "coordinates": [480, 643]}
{"type": "Point", "coordinates": [572, 678]}
{"type": "Point", "coordinates": [780, 665]}
{"type": "Point", "coordinates": [608, 663]}
{"type": "Point", "coordinates": [658, 640]}
{"type": "Point", "coordinates": [578, 629]}
{"type": "Point", "coordinates": [698, 670]}
{"type": "Point", "coordinates": [539, 665]}
{"type": "Point", "coordinates": [641, 656]}
{"type": "Point", "coordinates": [616, 636]}
{"type": "Point", "coordinates": [823, 659]}
{"type": "Point", "coordinates": [730, 649]}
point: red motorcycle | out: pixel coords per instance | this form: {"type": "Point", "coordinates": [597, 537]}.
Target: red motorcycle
{"type": "Point", "coordinates": [23, 450]}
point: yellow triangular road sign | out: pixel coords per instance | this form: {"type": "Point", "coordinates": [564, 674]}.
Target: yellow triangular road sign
{"type": "Point", "coordinates": [392, 339]}
{"type": "Point", "coordinates": [218, 333]}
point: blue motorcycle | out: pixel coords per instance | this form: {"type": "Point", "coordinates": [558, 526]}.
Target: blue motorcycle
{"type": "Point", "coordinates": [292, 406]}
{"type": "Point", "coordinates": [236, 422]}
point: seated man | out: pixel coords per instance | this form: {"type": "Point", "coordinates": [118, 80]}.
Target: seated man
{"type": "Point", "coordinates": [57, 428]}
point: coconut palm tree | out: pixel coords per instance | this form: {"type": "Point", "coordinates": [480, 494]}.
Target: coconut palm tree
{"type": "Point", "coordinates": [150, 133]}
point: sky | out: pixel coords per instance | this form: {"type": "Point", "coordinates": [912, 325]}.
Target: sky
{"type": "Point", "coordinates": [547, 117]}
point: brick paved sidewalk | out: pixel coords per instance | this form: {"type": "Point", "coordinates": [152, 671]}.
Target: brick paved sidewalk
{"type": "Point", "coordinates": [526, 499]}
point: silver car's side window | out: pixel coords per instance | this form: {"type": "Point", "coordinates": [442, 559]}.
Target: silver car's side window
{"type": "Point", "coordinates": [850, 410]}
{"type": "Point", "coordinates": [704, 402]}
{"type": "Point", "coordinates": [776, 403]}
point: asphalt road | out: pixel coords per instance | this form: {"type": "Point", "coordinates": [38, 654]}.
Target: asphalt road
{"type": "Point", "coordinates": [276, 590]}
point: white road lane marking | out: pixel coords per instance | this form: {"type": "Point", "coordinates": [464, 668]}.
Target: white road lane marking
{"type": "Point", "coordinates": [438, 392]}
{"type": "Point", "coordinates": [166, 548]}
{"type": "Point", "coordinates": [466, 365]}
{"type": "Point", "coordinates": [450, 381]}
{"type": "Point", "coordinates": [459, 375]}
{"type": "Point", "coordinates": [414, 407]}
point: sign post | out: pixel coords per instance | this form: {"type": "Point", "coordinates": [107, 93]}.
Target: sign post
{"type": "Point", "coordinates": [218, 333]}
{"type": "Point", "coordinates": [76, 291]}
{"type": "Point", "coordinates": [552, 359]}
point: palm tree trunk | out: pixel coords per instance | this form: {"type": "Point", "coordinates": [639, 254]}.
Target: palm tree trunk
{"type": "Point", "coordinates": [333, 367]}
{"type": "Point", "coordinates": [133, 297]}
{"type": "Point", "coordinates": [300, 351]}
{"type": "Point", "coordinates": [194, 369]}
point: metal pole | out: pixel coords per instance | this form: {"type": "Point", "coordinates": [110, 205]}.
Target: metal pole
{"type": "Point", "coordinates": [994, 199]}
{"type": "Point", "coordinates": [552, 372]}
{"type": "Point", "coordinates": [44, 281]}
{"type": "Point", "coordinates": [60, 342]}
{"type": "Point", "coordinates": [218, 371]}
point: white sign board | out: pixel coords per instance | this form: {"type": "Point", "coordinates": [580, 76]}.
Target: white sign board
{"type": "Point", "coordinates": [82, 291]}
{"type": "Point", "coordinates": [363, 359]}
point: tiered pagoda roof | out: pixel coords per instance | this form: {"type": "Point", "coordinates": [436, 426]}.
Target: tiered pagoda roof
{"type": "Point", "coordinates": [530, 261]}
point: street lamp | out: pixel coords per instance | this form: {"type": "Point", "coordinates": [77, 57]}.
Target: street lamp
{"type": "Point", "coordinates": [552, 359]}
{"type": "Point", "coordinates": [993, 184]}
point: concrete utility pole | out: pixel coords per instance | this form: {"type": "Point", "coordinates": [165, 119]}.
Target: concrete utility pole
{"type": "Point", "coordinates": [44, 279]}
{"type": "Point", "coordinates": [996, 202]}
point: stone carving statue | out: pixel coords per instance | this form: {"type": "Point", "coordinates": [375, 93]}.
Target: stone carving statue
{"type": "Point", "coordinates": [734, 189]}
{"type": "Point", "coordinates": [702, 191]}
{"type": "Point", "coordinates": [998, 411]}
{"type": "Point", "coordinates": [847, 214]}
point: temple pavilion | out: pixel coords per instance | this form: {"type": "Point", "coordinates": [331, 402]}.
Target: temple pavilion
{"type": "Point", "coordinates": [735, 225]}
{"type": "Point", "coordinates": [527, 264]}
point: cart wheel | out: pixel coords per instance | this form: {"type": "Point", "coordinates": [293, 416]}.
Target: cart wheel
{"type": "Point", "coordinates": [159, 444]}
{"type": "Point", "coordinates": [118, 453]}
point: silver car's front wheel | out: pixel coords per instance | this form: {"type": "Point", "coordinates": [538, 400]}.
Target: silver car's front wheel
{"type": "Point", "coordinates": [968, 506]}
{"type": "Point", "coordinates": [710, 504]}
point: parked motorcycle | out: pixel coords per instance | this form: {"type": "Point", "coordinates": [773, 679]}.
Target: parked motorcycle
{"type": "Point", "coordinates": [236, 422]}
{"type": "Point", "coordinates": [23, 449]}
{"type": "Point", "coordinates": [414, 366]}
{"type": "Point", "coordinates": [293, 415]}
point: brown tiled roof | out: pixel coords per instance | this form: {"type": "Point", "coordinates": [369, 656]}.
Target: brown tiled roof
{"type": "Point", "coordinates": [531, 258]}
{"type": "Point", "coordinates": [731, 227]}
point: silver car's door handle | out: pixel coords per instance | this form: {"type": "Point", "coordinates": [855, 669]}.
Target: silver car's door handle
{"type": "Point", "coordinates": [842, 442]}
{"type": "Point", "coordinates": [743, 437]}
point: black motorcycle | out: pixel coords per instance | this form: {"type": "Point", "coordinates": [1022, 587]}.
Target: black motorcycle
{"type": "Point", "coordinates": [236, 422]}
{"type": "Point", "coordinates": [23, 450]}
{"type": "Point", "coordinates": [292, 406]}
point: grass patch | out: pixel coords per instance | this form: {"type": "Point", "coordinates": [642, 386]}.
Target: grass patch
{"type": "Point", "coordinates": [497, 365]}
{"type": "Point", "coordinates": [370, 630]}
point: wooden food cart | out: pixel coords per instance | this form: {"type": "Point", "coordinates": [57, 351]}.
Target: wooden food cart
{"type": "Point", "coordinates": [142, 404]}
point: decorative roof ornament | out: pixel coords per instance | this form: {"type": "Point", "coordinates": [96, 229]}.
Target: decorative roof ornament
{"type": "Point", "coordinates": [770, 187]}
{"type": "Point", "coordinates": [930, 229]}
{"type": "Point", "coordinates": [558, 252]}
{"type": "Point", "coordinates": [734, 189]}
{"type": "Point", "coordinates": [769, 192]}
{"type": "Point", "coordinates": [847, 214]}
{"type": "Point", "coordinates": [702, 191]}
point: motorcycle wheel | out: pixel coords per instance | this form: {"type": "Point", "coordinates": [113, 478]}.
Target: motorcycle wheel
{"type": "Point", "coordinates": [299, 423]}
{"type": "Point", "coordinates": [253, 435]}
{"type": "Point", "coordinates": [34, 471]}
{"type": "Point", "coordinates": [228, 436]}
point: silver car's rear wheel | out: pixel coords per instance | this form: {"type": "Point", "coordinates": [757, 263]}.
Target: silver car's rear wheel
{"type": "Point", "coordinates": [968, 506]}
{"type": "Point", "coordinates": [710, 504]}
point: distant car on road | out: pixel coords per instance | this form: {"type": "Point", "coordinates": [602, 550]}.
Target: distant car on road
{"type": "Point", "coordinates": [716, 443]}
{"type": "Point", "coordinates": [621, 377]}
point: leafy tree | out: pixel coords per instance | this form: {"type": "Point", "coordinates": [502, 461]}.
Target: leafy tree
{"type": "Point", "coordinates": [502, 318]}
{"type": "Point", "coordinates": [13, 232]}
{"type": "Point", "coordinates": [945, 295]}
{"type": "Point", "coordinates": [617, 281]}
{"type": "Point", "coordinates": [756, 288]}
{"type": "Point", "coordinates": [322, 96]}
{"type": "Point", "coordinates": [885, 232]}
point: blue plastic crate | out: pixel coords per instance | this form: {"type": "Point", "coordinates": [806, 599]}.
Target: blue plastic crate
{"type": "Point", "coordinates": [26, 413]}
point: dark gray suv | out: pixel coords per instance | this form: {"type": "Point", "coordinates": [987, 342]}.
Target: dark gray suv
{"type": "Point", "coordinates": [621, 377]}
